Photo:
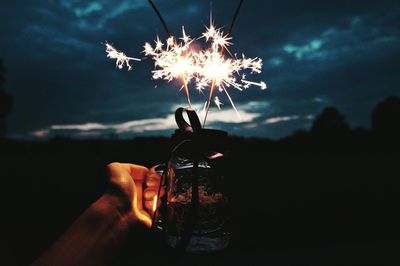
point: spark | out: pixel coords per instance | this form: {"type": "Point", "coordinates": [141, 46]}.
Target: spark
{"type": "Point", "coordinates": [217, 102]}
{"type": "Point", "coordinates": [185, 38]}
{"type": "Point", "coordinates": [216, 36]}
{"type": "Point", "coordinates": [207, 68]}
{"type": "Point", "coordinates": [121, 58]}
{"type": "Point", "coordinates": [261, 84]}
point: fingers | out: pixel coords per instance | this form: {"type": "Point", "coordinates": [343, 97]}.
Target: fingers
{"type": "Point", "coordinates": [117, 172]}
{"type": "Point", "coordinates": [153, 169]}
{"type": "Point", "coordinates": [129, 179]}
{"type": "Point", "coordinates": [137, 172]}
{"type": "Point", "coordinates": [149, 193]}
{"type": "Point", "coordinates": [150, 205]}
{"type": "Point", "coordinates": [153, 177]}
{"type": "Point", "coordinates": [153, 180]}
{"type": "Point", "coordinates": [137, 205]}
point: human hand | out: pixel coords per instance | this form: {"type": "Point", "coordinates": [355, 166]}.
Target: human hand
{"type": "Point", "coordinates": [100, 231]}
{"type": "Point", "coordinates": [126, 192]}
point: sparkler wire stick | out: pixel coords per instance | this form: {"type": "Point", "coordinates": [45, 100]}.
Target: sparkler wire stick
{"type": "Point", "coordinates": [160, 17]}
{"type": "Point", "coordinates": [222, 53]}
{"type": "Point", "coordinates": [169, 35]}
{"type": "Point", "coordinates": [235, 17]}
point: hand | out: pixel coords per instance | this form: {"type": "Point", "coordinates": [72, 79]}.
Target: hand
{"type": "Point", "coordinates": [126, 191]}
{"type": "Point", "coordinates": [101, 230]}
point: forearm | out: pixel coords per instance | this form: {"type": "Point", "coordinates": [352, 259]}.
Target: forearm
{"type": "Point", "coordinates": [92, 239]}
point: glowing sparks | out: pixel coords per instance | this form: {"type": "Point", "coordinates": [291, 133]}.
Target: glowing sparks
{"type": "Point", "coordinates": [261, 84]}
{"type": "Point", "coordinates": [183, 59]}
{"type": "Point", "coordinates": [218, 38]}
{"type": "Point", "coordinates": [172, 62]}
{"type": "Point", "coordinates": [217, 102]}
{"type": "Point", "coordinates": [121, 58]}
{"type": "Point", "coordinates": [155, 199]}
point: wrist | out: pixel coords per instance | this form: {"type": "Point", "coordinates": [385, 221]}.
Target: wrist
{"type": "Point", "coordinates": [107, 210]}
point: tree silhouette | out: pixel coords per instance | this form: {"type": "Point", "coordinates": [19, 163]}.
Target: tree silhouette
{"type": "Point", "coordinates": [386, 117]}
{"type": "Point", "coordinates": [330, 123]}
{"type": "Point", "coordinates": [5, 102]}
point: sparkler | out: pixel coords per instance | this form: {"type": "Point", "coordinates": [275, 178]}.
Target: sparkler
{"type": "Point", "coordinates": [222, 52]}
{"type": "Point", "coordinates": [181, 59]}
{"type": "Point", "coordinates": [184, 81]}
{"type": "Point", "coordinates": [173, 60]}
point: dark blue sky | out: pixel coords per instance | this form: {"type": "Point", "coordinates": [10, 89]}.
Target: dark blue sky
{"type": "Point", "coordinates": [316, 54]}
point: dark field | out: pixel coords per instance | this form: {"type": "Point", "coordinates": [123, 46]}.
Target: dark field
{"type": "Point", "coordinates": [303, 200]}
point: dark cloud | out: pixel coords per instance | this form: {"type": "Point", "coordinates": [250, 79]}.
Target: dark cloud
{"type": "Point", "coordinates": [316, 53]}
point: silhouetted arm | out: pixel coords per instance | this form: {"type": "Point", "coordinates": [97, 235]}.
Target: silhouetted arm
{"type": "Point", "coordinates": [96, 236]}
{"type": "Point", "coordinates": [93, 239]}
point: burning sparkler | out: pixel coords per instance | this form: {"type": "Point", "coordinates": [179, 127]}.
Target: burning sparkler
{"type": "Point", "coordinates": [173, 60]}
{"type": "Point", "coordinates": [179, 58]}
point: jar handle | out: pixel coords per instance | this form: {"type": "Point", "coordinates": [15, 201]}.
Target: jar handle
{"type": "Point", "coordinates": [194, 120]}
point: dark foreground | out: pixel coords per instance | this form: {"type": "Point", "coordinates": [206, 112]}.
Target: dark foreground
{"type": "Point", "coordinates": [299, 201]}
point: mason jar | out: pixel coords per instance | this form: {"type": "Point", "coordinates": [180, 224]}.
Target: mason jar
{"type": "Point", "coordinates": [197, 209]}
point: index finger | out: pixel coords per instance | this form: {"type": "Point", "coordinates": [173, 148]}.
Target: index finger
{"type": "Point", "coordinates": [137, 172]}
{"type": "Point", "coordinates": [153, 176]}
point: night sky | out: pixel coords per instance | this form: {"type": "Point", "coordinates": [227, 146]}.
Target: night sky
{"type": "Point", "coordinates": [316, 54]}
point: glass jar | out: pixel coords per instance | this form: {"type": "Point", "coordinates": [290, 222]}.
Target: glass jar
{"type": "Point", "coordinates": [196, 217]}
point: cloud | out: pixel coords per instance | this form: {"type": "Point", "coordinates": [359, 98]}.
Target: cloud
{"type": "Point", "coordinates": [104, 11]}
{"type": "Point", "coordinates": [229, 116]}
{"type": "Point", "coordinates": [55, 41]}
{"type": "Point", "coordinates": [82, 127]}
{"type": "Point", "coordinates": [134, 126]}
{"type": "Point", "coordinates": [275, 61]}
{"type": "Point", "coordinates": [278, 119]}
{"type": "Point", "coordinates": [341, 44]}
{"type": "Point", "coordinates": [308, 51]}
{"type": "Point", "coordinates": [142, 125]}
{"type": "Point", "coordinates": [89, 9]}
